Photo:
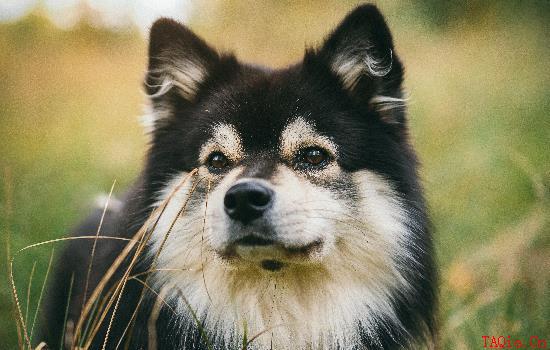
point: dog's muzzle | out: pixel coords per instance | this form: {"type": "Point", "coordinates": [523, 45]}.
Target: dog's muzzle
{"type": "Point", "coordinates": [253, 238]}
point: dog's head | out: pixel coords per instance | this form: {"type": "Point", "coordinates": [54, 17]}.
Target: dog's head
{"type": "Point", "coordinates": [304, 173]}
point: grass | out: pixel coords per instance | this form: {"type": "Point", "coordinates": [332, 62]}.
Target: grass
{"type": "Point", "coordinates": [109, 302]}
{"type": "Point", "coordinates": [479, 119]}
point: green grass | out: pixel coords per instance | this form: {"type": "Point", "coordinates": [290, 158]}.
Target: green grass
{"type": "Point", "coordinates": [480, 103]}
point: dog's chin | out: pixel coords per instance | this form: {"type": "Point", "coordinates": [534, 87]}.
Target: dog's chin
{"type": "Point", "coordinates": [270, 255]}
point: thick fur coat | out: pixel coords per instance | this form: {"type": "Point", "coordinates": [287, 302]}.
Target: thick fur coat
{"type": "Point", "coordinates": [279, 208]}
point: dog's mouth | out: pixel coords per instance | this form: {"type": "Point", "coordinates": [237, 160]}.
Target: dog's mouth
{"type": "Point", "coordinates": [271, 255]}
{"type": "Point", "coordinates": [252, 240]}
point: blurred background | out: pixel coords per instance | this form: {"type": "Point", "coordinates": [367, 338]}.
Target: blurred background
{"type": "Point", "coordinates": [479, 85]}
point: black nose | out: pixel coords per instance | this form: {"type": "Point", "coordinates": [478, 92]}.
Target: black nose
{"type": "Point", "coordinates": [247, 201]}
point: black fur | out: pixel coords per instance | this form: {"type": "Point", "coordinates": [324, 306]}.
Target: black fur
{"type": "Point", "coordinates": [259, 101]}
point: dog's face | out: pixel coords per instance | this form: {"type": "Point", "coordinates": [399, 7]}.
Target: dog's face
{"type": "Point", "coordinates": [304, 181]}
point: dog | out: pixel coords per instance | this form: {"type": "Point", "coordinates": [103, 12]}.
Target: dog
{"type": "Point", "coordinates": [277, 209]}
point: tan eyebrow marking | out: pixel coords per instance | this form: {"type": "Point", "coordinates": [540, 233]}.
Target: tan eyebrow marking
{"type": "Point", "coordinates": [225, 139]}
{"type": "Point", "coordinates": [300, 134]}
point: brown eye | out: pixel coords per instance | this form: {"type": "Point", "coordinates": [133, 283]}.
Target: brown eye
{"type": "Point", "coordinates": [314, 156]}
{"type": "Point", "coordinates": [218, 161]}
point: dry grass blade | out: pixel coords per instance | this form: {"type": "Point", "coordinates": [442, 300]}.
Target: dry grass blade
{"type": "Point", "coordinates": [41, 293]}
{"type": "Point", "coordinates": [155, 312]}
{"type": "Point", "coordinates": [152, 322]}
{"type": "Point", "coordinates": [41, 346]}
{"type": "Point", "coordinates": [99, 288]}
{"type": "Point", "coordinates": [181, 211]}
{"type": "Point", "coordinates": [99, 304]}
{"type": "Point", "coordinates": [29, 285]}
{"type": "Point", "coordinates": [103, 312]}
{"type": "Point", "coordinates": [178, 215]}
{"type": "Point", "coordinates": [157, 213]}
{"type": "Point", "coordinates": [68, 239]}
{"type": "Point", "coordinates": [18, 305]}
{"type": "Point", "coordinates": [62, 342]}
{"type": "Point", "coordinates": [8, 195]}
{"type": "Point", "coordinates": [22, 322]}
{"type": "Point", "coordinates": [119, 292]}
{"type": "Point", "coordinates": [138, 238]}
{"type": "Point", "coordinates": [89, 320]}
{"type": "Point", "coordinates": [28, 339]}
{"type": "Point", "coordinates": [159, 270]}
{"type": "Point", "coordinates": [158, 295]}
{"type": "Point", "coordinates": [95, 243]}
{"type": "Point", "coordinates": [19, 314]}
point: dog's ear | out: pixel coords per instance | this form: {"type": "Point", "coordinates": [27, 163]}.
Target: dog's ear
{"type": "Point", "coordinates": [360, 53]}
{"type": "Point", "coordinates": [179, 61]}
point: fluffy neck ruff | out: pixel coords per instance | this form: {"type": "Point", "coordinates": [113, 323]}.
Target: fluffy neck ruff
{"type": "Point", "coordinates": [335, 303]}
{"type": "Point", "coordinates": [317, 307]}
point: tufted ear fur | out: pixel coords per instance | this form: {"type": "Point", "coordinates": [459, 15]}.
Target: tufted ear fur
{"type": "Point", "coordinates": [360, 53]}
{"type": "Point", "coordinates": [178, 59]}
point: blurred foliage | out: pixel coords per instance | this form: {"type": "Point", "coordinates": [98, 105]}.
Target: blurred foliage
{"type": "Point", "coordinates": [442, 14]}
{"type": "Point", "coordinates": [479, 84]}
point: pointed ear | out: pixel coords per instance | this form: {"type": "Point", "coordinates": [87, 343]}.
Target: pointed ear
{"type": "Point", "coordinates": [178, 60]}
{"type": "Point", "coordinates": [360, 53]}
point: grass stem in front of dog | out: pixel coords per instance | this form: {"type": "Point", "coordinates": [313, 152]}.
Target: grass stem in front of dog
{"type": "Point", "coordinates": [7, 209]}
{"type": "Point", "coordinates": [41, 294]}
{"type": "Point", "coordinates": [29, 285]}
{"type": "Point", "coordinates": [97, 292]}
{"type": "Point", "coordinates": [95, 244]}
{"type": "Point", "coordinates": [153, 318]}
{"type": "Point", "coordinates": [24, 325]}
{"type": "Point", "coordinates": [140, 237]}
{"type": "Point", "coordinates": [109, 297]}
{"type": "Point", "coordinates": [129, 326]}
{"type": "Point", "coordinates": [119, 291]}
{"type": "Point", "coordinates": [95, 317]}
{"type": "Point", "coordinates": [89, 320]}
{"type": "Point", "coordinates": [145, 233]}
{"type": "Point", "coordinates": [158, 295]}
{"type": "Point", "coordinates": [64, 328]}
{"type": "Point", "coordinates": [20, 321]}
{"type": "Point", "coordinates": [93, 304]}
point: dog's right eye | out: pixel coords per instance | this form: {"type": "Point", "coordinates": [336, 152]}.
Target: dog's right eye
{"type": "Point", "coordinates": [313, 157]}
{"type": "Point", "coordinates": [217, 161]}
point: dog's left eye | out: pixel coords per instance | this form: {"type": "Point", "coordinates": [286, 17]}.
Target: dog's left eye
{"type": "Point", "coordinates": [313, 156]}
{"type": "Point", "coordinates": [217, 160]}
